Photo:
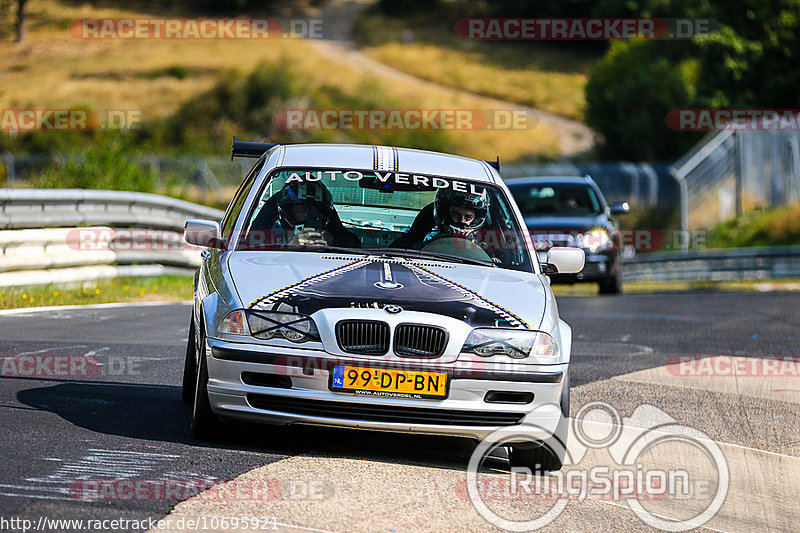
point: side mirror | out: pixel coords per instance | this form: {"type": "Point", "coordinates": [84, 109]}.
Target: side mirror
{"type": "Point", "coordinates": [620, 208]}
{"type": "Point", "coordinates": [205, 233]}
{"type": "Point", "coordinates": [561, 260]}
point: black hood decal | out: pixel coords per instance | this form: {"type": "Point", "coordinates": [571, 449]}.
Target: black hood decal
{"type": "Point", "coordinates": [374, 283]}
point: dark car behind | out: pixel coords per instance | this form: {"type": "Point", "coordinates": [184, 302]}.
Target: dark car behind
{"type": "Point", "coordinates": [571, 211]}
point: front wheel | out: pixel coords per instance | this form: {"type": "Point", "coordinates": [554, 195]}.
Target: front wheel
{"type": "Point", "coordinates": [612, 284]}
{"type": "Point", "coordinates": [544, 458]}
{"type": "Point", "coordinates": [204, 422]}
{"type": "Point", "coordinates": [549, 456]}
{"type": "Point", "coordinates": [189, 368]}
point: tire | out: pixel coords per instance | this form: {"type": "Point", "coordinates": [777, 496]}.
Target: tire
{"type": "Point", "coordinates": [205, 424]}
{"type": "Point", "coordinates": [548, 455]}
{"type": "Point", "coordinates": [612, 284]}
{"type": "Point", "coordinates": [189, 368]}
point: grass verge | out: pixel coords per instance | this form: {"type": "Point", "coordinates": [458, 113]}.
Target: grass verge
{"type": "Point", "coordinates": [167, 288]}
{"type": "Point", "coordinates": [760, 227]}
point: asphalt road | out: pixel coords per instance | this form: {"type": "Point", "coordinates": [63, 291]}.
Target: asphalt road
{"type": "Point", "coordinates": [123, 418]}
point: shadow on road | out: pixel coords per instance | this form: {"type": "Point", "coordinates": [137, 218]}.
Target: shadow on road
{"type": "Point", "coordinates": [156, 413]}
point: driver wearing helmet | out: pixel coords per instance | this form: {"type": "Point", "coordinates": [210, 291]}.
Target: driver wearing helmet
{"type": "Point", "coordinates": [458, 214]}
{"type": "Point", "coordinates": [306, 216]}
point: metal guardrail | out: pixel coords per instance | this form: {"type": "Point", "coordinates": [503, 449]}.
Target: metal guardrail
{"type": "Point", "coordinates": [38, 208]}
{"type": "Point", "coordinates": [776, 262]}
{"type": "Point", "coordinates": [31, 254]}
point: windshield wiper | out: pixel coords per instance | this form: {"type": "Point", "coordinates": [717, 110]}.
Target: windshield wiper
{"type": "Point", "coordinates": [392, 252]}
{"type": "Point", "coordinates": [420, 254]}
{"type": "Point", "coordinates": [319, 248]}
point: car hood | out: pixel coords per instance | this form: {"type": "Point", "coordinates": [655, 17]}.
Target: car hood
{"type": "Point", "coordinates": [566, 223]}
{"type": "Point", "coordinates": [306, 282]}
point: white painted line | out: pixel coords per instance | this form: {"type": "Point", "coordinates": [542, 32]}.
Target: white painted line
{"type": "Point", "coordinates": [26, 310]}
{"type": "Point", "coordinates": [62, 490]}
{"type": "Point", "coordinates": [35, 496]}
{"type": "Point", "coordinates": [45, 350]}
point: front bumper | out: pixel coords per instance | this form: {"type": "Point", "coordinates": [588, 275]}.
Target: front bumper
{"type": "Point", "coordinates": [291, 386]}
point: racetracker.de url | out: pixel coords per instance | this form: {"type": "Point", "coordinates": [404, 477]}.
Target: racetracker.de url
{"type": "Point", "coordinates": [170, 523]}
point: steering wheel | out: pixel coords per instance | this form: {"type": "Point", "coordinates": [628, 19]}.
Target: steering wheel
{"type": "Point", "coordinates": [458, 246]}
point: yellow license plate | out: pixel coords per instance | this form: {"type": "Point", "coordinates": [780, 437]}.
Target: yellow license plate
{"type": "Point", "coordinates": [388, 382]}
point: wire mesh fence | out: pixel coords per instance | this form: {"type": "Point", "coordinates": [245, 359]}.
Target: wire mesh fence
{"type": "Point", "coordinates": [732, 171]}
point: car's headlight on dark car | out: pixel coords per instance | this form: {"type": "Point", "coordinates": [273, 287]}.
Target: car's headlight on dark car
{"type": "Point", "coordinates": [595, 240]}
{"type": "Point", "coordinates": [513, 343]}
{"type": "Point", "coordinates": [292, 327]}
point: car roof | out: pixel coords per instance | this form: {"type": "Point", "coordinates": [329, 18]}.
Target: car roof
{"type": "Point", "coordinates": [407, 160]}
{"type": "Point", "coordinates": [533, 180]}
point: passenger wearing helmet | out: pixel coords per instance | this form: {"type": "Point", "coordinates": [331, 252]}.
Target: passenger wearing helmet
{"type": "Point", "coordinates": [458, 214]}
{"type": "Point", "coordinates": [304, 214]}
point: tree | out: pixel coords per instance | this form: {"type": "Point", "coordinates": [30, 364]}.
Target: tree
{"type": "Point", "coordinates": [749, 61]}
{"type": "Point", "coordinates": [21, 20]}
{"type": "Point", "coordinates": [629, 93]}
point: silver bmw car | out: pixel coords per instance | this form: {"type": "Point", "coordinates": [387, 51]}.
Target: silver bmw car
{"type": "Point", "coordinates": [378, 288]}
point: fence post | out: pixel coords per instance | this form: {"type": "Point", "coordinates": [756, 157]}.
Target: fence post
{"type": "Point", "coordinates": [11, 176]}
{"type": "Point", "coordinates": [684, 203]}
{"type": "Point", "coordinates": [738, 169]}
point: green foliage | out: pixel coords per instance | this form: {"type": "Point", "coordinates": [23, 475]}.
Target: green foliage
{"type": "Point", "coordinates": [750, 61]}
{"type": "Point", "coordinates": [629, 93]}
{"type": "Point", "coordinates": [109, 163]}
{"type": "Point", "coordinates": [652, 218]}
{"type": "Point", "coordinates": [772, 227]}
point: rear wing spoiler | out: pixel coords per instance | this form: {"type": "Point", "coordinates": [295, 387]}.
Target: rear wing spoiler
{"type": "Point", "coordinates": [249, 149]}
{"type": "Point", "coordinates": [257, 149]}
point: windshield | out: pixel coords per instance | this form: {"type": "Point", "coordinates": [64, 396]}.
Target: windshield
{"type": "Point", "coordinates": [385, 212]}
{"type": "Point", "coordinates": [556, 199]}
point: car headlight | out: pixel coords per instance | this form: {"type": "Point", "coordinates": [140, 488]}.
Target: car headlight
{"type": "Point", "coordinates": [290, 326]}
{"type": "Point", "coordinates": [596, 240]}
{"type": "Point", "coordinates": [234, 323]}
{"type": "Point", "coordinates": [513, 343]}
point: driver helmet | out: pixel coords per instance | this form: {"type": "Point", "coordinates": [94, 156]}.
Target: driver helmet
{"type": "Point", "coordinates": [313, 194]}
{"type": "Point", "coordinates": [446, 199]}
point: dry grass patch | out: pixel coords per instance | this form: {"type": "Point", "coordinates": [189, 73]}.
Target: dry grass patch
{"type": "Point", "coordinates": [561, 93]}
{"type": "Point", "coordinates": [52, 69]}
